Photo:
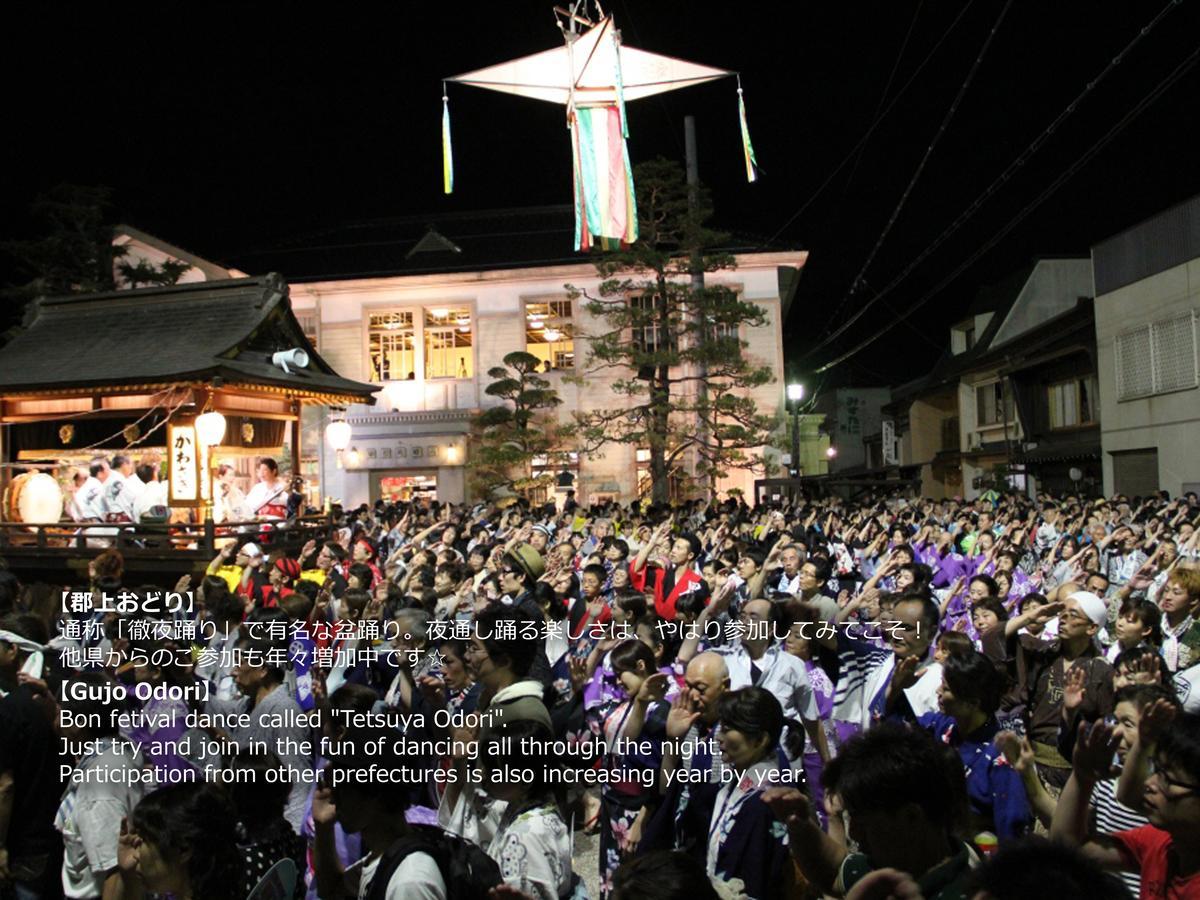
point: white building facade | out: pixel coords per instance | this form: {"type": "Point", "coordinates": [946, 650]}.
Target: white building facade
{"type": "Point", "coordinates": [429, 340]}
{"type": "Point", "coordinates": [1147, 333]}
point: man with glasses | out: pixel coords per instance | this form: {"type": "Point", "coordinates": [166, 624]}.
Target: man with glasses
{"type": "Point", "coordinates": [1042, 673]}
{"type": "Point", "coordinates": [1162, 771]}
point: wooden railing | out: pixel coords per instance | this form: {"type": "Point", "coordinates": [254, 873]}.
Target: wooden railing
{"type": "Point", "coordinates": [70, 539]}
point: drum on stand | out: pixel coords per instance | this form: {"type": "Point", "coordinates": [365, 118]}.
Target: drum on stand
{"type": "Point", "coordinates": [34, 498]}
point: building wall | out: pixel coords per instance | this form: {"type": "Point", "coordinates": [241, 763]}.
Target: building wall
{"type": "Point", "coordinates": [439, 409]}
{"type": "Point", "coordinates": [851, 414]}
{"type": "Point", "coordinates": [1169, 422]}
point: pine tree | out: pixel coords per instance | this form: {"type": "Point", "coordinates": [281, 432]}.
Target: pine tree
{"type": "Point", "coordinates": [685, 391]}
{"type": "Point", "coordinates": [506, 439]}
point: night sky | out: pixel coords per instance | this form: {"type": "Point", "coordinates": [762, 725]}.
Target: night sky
{"type": "Point", "coordinates": [226, 129]}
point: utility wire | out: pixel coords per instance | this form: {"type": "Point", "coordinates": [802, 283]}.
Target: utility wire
{"type": "Point", "coordinates": [870, 131]}
{"type": "Point", "coordinates": [1142, 105]}
{"type": "Point", "coordinates": [857, 283]}
{"type": "Point", "coordinates": [887, 87]}
{"type": "Point", "coordinates": [1021, 159]}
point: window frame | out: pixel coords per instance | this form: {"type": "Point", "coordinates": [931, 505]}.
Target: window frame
{"type": "Point", "coordinates": [565, 323]}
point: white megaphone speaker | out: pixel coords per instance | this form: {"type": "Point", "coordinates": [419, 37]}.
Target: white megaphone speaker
{"type": "Point", "coordinates": [294, 357]}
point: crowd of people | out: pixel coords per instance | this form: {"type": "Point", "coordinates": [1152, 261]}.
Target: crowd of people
{"type": "Point", "coordinates": [813, 697]}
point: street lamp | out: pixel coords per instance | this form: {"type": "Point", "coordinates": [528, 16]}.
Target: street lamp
{"type": "Point", "coordinates": [795, 393]}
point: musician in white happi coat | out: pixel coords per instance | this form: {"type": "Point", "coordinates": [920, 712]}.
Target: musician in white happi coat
{"type": "Point", "coordinates": [268, 498]}
{"type": "Point", "coordinates": [89, 497]}
{"type": "Point", "coordinates": [153, 494]}
{"type": "Point", "coordinates": [120, 490]}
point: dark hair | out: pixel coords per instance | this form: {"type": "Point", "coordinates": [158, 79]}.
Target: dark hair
{"type": "Point", "coordinates": [891, 766]}
{"type": "Point", "coordinates": [691, 602]}
{"type": "Point", "coordinates": [955, 642]}
{"type": "Point", "coordinates": [1035, 597]}
{"type": "Point", "coordinates": [627, 654]}
{"type": "Point", "coordinates": [220, 601]}
{"type": "Point", "coordinates": [929, 610]}
{"type": "Point", "coordinates": [353, 767]}
{"type": "Point", "coordinates": [973, 677]}
{"type": "Point", "coordinates": [193, 818]}
{"type": "Point", "coordinates": [101, 709]}
{"type": "Point", "coordinates": [268, 462]}
{"type": "Point", "coordinates": [695, 547]}
{"type": "Point", "coordinates": [754, 712]}
{"type": "Point", "coordinates": [821, 568]}
{"type": "Point", "coordinates": [1034, 868]}
{"type": "Point", "coordinates": [631, 601]}
{"type": "Point", "coordinates": [921, 575]}
{"type": "Point", "coordinates": [988, 582]}
{"type": "Point", "coordinates": [991, 603]}
{"type": "Point", "coordinates": [1145, 612]}
{"type": "Point", "coordinates": [755, 556]}
{"type": "Point", "coordinates": [661, 875]}
{"type": "Point", "coordinates": [621, 546]}
{"type": "Point", "coordinates": [518, 652]}
{"type": "Point", "coordinates": [260, 800]}
{"type": "Point", "coordinates": [1136, 653]}
{"type": "Point", "coordinates": [363, 573]}
{"type": "Point", "coordinates": [596, 570]}
{"type": "Point", "coordinates": [1141, 695]}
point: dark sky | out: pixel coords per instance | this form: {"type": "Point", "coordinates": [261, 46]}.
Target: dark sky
{"type": "Point", "coordinates": [222, 129]}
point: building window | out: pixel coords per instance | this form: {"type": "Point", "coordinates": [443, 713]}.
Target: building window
{"type": "Point", "coordinates": [648, 337]}
{"type": "Point", "coordinates": [309, 324]}
{"type": "Point", "coordinates": [550, 333]}
{"type": "Point", "coordinates": [448, 352]}
{"type": "Point", "coordinates": [1156, 358]}
{"type": "Point", "coordinates": [1072, 403]}
{"type": "Point", "coordinates": [990, 401]}
{"type": "Point", "coordinates": [391, 346]}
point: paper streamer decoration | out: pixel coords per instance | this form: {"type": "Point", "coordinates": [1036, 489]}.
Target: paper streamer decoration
{"type": "Point", "coordinates": [447, 152]}
{"type": "Point", "coordinates": [747, 147]}
{"type": "Point", "coordinates": [605, 205]}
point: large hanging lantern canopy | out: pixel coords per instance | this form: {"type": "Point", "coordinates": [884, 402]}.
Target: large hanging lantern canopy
{"type": "Point", "coordinates": [592, 75]}
{"type": "Point", "coordinates": [210, 428]}
{"type": "Point", "coordinates": [338, 434]}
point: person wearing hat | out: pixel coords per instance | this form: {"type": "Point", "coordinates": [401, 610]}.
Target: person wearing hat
{"type": "Point", "coordinates": [520, 569]}
{"type": "Point", "coordinates": [280, 581]}
{"type": "Point", "coordinates": [1045, 670]}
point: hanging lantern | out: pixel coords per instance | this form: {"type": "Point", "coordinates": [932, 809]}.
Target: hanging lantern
{"type": "Point", "coordinates": [210, 428]}
{"type": "Point", "coordinates": [338, 434]}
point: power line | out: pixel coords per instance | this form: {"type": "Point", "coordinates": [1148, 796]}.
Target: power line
{"type": "Point", "coordinates": [857, 283]}
{"type": "Point", "coordinates": [1004, 176]}
{"type": "Point", "coordinates": [887, 87]}
{"type": "Point", "coordinates": [1145, 102]}
{"type": "Point", "coordinates": [867, 134]}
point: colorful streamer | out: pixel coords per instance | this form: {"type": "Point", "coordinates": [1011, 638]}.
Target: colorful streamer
{"type": "Point", "coordinates": [747, 147]}
{"type": "Point", "coordinates": [620, 87]}
{"type": "Point", "coordinates": [447, 153]}
{"type": "Point", "coordinates": [605, 205]}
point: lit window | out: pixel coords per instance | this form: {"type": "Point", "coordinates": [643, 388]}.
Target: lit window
{"type": "Point", "coordinates": [448, 335]}
{"type": "Point", "coordinates": [391, 346]}
{"type": "Point", "coordinates": [550, 333]}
